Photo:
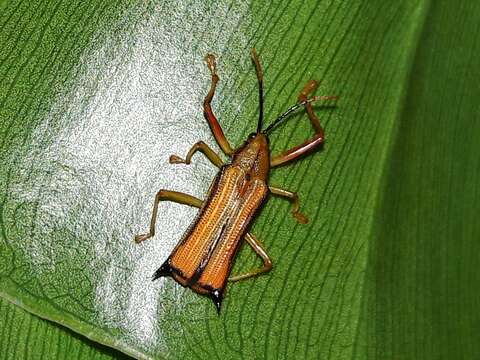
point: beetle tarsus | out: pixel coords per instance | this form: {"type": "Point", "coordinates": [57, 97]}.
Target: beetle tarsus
{"type": "Point", "coordinates": [302, 219]}
{"type": "Point", "coordinates": [211, 63]}
{"type": "Point", "coordinates": [175, 159]}
{"type": "Point", "coordinates": [142, 237]}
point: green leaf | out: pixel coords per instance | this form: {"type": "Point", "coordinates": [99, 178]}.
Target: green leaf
{"type": "Point", "coordinates": [25, 336]}
{"type": "Point", "coordinates": [96, 96]}
{"type": "Point", "coordinates": [421, 297]}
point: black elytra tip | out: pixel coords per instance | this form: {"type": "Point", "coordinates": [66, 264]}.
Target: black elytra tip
{"type": "Point", "coordinates": [217, 298]}
{"type": "Point", "coordinates": [164, 270]}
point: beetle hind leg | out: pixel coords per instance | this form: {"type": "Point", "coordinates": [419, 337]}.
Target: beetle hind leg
{"type": "Point", "coordinates": [167, 195]}
{"type": "Point", "coordinates": [257, 246]}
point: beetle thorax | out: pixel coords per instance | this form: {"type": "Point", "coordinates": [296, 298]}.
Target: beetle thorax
{"type": "Point", "coordinates": [253, 157]}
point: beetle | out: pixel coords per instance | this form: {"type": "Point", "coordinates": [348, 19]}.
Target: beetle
{"type": "Point", "coordinates": [203, 258]}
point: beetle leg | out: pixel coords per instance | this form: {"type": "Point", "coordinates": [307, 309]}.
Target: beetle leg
{"type": "Point", "coordinates": [310, 144]}
{"type": "Point", "coordinates": [207, 109]}
{"type": "Point", "coordinates": [260, 251]}
{"type": "Point", "coordinates": [309, 88]}
{"type": "Point", "coordinates": [297, 151]}
{"type": "Point", "coordinates": [167, 195]}
{"type": "Point", "coordinates": [302, 219]}
{"type": "Point", "coordinates": [202, 147]}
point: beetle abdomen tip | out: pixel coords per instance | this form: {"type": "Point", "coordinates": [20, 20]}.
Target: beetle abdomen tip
{"type": "Point", "coordinates": [164, 270]}
{"type": "Point", "coordinates": [217, 298]}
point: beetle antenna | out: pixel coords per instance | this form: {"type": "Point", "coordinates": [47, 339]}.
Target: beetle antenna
{"type": "Point", "coordinates": [294, 108]}
{"type": "Point", "coordinates": [258, 70]}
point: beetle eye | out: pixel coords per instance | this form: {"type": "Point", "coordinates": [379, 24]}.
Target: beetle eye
{"type": "Point", "coordinates": [252, 136]}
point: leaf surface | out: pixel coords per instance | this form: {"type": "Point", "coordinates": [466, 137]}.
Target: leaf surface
{"type": "Point", "coordinates": [26, 336]}
{"type": "Point", "coordinates": [96, 96]}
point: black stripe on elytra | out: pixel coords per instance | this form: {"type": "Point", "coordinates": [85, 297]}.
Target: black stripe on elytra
{"type": "Point", "coordinates": [203, 263]}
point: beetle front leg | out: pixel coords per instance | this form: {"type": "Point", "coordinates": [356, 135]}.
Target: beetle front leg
{"type": "Point", "coordinates": [207, 109]}
{"type": "Point", "coordinates": [260, 251]}
{"type": "Point", "coordinates": [167, 195]}
{"type": "Point", "coordinates": [309, 88]}
{"type": "Point", "coordinates": [310, 144]}
{"type": "Point", "coordinates": [302, 219]}
{"type": "Point", "coordinates": [297, 151]}
{"type": "Point", "coordinates": [202, 147]}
